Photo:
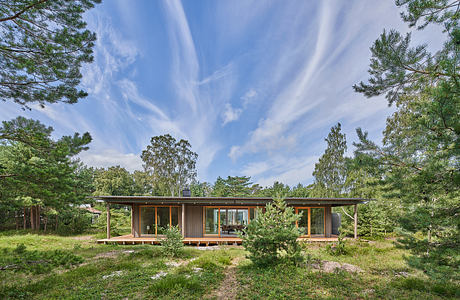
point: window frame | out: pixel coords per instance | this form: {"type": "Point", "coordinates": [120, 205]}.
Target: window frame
{"type": "Point", "coordinates": [156, 221]}
{"type": "Point", "coordinates": [309, 219]}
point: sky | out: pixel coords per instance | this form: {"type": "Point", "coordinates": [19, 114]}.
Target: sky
{"type": "Point", "coordinates": [254, 86]}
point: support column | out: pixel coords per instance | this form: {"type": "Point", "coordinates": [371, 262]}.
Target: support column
{"type": "Point", "coordinates": [108, 220]}
{"type": "Point", "coordinates": [356, 221]}
{"type": "Point", "coordinates": [132, 222]}
{"type": "Point", "coordinates": [183, 220]}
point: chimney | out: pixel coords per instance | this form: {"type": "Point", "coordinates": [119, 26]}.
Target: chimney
{"type": "Point", "coordinates": [186, 192]}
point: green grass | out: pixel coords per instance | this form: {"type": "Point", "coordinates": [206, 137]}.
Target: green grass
{"type": "Point", "coordinates": [130, 273]}
{"type": "Point", "coordinates": [382, 266]}
{"type": "Point", "coordinates": [133, 280]}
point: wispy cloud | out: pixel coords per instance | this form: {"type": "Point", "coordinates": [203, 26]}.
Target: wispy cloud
{"type": "Point", "coordinates": [230, 114]}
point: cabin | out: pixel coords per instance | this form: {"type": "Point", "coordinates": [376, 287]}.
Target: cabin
{"type": "Point", "coordinates": [216, 220]}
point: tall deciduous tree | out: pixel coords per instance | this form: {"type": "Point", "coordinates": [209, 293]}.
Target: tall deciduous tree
{"type": "Point", "coordinates": [42, 47]}
{"type": "Point", "coordinates": [330, 171]}
{"type": "Point", "coordinates": [170, 162]}
{"type": "Point", "coordinates": [421, 145]}
{"type": "Point", "coordinates": [115, 181]}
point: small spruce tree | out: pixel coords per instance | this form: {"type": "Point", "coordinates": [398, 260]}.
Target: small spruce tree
{"type": "Point", "coordinates": [272, 236]}
{"type": "Point", "coordinates": [172, 242]}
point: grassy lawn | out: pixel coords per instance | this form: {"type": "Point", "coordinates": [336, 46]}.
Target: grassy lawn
{"type": "Point", "coordinates": [385, 275]}
{"type": "Point", "coordinates": [118, 272]}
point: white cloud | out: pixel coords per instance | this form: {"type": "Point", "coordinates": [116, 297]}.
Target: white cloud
{"type": "Point", "coordinates": [185, 61]}
{"type": "Point", "coordinates": [288, 170]}
{"type": "Point", "coordinates": [249, 96]}
{"type": "Point", "coordinates": [230, 114]}
{"type": "Point", "coordinates": [218, 74]}
{"type": "Point", "coordinates": [111, 157]}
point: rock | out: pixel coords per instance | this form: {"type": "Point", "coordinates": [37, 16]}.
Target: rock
{"type": "Point", "coordinates": [173, 264]}
{"type": "Point", "coordinates": [208, 248]}
{"type": "Point", "coordinates": [128, 251]}
{"type": "Point", "coordinates": [114, 274]}
{"type": "Point", "coordinates": [159, 275]}
{"type": "Point", "coordinates": [351, 268]}
{"type": "Point", "coordinates": [196, 270]}
{"type": "Point", "coordinates": [332, 266]}
{"type": "Point", "coordinates": [403, 274]}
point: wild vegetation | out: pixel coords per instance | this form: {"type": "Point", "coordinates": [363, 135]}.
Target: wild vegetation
{"type": "Point", "coordinates": [411, 176]}
{"type": "Point", "coordinates": [143, 271]}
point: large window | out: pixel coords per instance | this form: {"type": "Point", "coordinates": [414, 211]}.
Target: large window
{"type": "Point", "coordinates": [147, 220]}
{"type": "Point", "coordinates": [303, 222]}
{"type": "Point", "coordinates": [155, 220]}
{"type": "Point", "coordinates": [211, 220]}
{"type": "Point", "coordinates": [317, 221]}
{"type": "Point", "coordinates": [312, 221]}
{"type": "Point", "coordinates": [227, 221]}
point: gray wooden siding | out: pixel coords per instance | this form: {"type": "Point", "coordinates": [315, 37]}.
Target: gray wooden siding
{"type": "Point", "coordinates": [193, 221]}
{"type": "Point", "coordinates": [135, 228]}
{"type": "Point", "coordinates": [328, 221]}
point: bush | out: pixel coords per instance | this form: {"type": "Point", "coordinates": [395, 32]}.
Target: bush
{"type": "Point", "coordinates": [73, 221]}
{"type": "Point", "coordinates": [172, 242]}
{"type": "Point", "coordinates": [339, 249]}
{"type": "Point", "coordinates": [272, 235]}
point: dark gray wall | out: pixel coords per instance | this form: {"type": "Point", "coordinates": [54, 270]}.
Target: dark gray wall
{"type": "Point", "coordinates": [193, 221]}
{"type": "Point", "coordinates": [135, 229]}
{"type": "Point", "coordinates": [328, 221]}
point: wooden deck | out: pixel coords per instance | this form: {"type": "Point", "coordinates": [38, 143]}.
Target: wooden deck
{"type": "Point", "coordinates": [204, 241]}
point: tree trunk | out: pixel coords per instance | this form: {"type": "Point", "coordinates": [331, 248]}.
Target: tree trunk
{"type": "Point", "coordinates": [56, 223]}
{"type": "Point", "coordinates": [38, 218]}
{"type": "Point", "coordinates": [32, 219]}
{"type": "Point", "coordinates": [16, 217]}
{"type": "Point", "coordinates": [46, 222]}
{"type": "Point", "coordinates": [25, 219]}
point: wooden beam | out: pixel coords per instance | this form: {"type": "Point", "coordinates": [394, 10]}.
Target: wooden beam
{"type": "Point", "coordinates": [108, 220]}
{"type": "Point", "coordinates": [356, 221]}
{"type": "Point", "coordinates": [183, 220]}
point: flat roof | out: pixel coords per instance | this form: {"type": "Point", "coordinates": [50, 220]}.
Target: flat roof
{"type": "Point", "coordinates": [159, 200]}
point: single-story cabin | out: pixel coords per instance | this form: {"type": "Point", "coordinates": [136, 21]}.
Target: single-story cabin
{"type": "Point", "coordinates": [216, 220]}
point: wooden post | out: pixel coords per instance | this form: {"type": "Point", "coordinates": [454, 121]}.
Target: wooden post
{"type": "Point", "coordinates": [108, 220]}
{"type": "Point", "coordinates": [183, 220]}
{"type": "Point", "coordinates": [132, 216]}
{"type": "Point", "coordinates": [356, 221]}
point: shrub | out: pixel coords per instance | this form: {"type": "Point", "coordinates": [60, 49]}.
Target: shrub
{"type": "Point", "coordinates": [73, 221]}
{"type": "Point", "coordinates": [272, 235]}
{"type": "Point", "coordinates": [339, 249]}
{"type": "Point", "coordinates": [172, 242]}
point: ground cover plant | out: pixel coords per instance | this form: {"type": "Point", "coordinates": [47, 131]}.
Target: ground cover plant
{"type": "Point", "coordinates": [385, 274]}
{"type": "Point", "coordinates": [111, 271]}
{"type": "Point", "coordinates": [22, 260]}
{"type": "Point", "coordinates": [144, 271]}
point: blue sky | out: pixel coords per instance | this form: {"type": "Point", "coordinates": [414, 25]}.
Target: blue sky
{"type": "Point", "coordinates": [255, 86]}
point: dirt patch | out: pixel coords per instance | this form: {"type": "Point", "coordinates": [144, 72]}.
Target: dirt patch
{"type": "Point", "coordinates": [228, 289]}
{"type": "Point", "coordinates": [83, 238]}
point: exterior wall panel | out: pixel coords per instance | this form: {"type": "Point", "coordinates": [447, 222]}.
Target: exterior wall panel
{"type": "Point", "coordinates": [135, 213]}
{"type": "Point", "coordinates": [328, 221]}
{"type": "Point", "coordinates": [193, 221]}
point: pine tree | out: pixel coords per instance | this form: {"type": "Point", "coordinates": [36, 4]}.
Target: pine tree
{"type": "Point", "coordinates": [330, 171]}
{"type": "Point", "coordinates": [421, 144]}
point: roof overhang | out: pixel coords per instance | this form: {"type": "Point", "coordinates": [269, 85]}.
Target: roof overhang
{"type": "Point", "coordinates": [160, 200]}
